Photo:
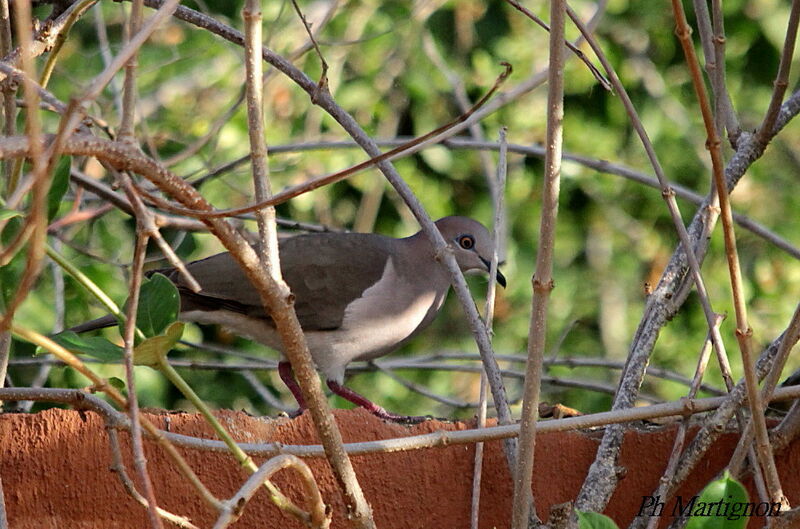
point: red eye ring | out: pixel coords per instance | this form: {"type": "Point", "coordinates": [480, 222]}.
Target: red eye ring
{"type": "Point", "coordinates": [467, 242]}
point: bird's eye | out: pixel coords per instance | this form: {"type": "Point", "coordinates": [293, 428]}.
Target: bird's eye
{"type": "Point", "coordinates": [466, 241]}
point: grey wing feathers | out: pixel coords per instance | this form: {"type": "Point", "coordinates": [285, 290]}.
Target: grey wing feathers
{"type": "Point", "coordinates": [325, 273]}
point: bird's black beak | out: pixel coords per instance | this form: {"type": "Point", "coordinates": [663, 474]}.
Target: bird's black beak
{"type": "Point", "coordinates": [501, 279]}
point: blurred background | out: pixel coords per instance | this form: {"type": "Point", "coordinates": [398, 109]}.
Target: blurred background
{"type": "Point", "coordinates": [399, 68]}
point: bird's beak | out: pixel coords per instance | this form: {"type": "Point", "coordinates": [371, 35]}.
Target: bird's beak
{"type": "Point", "coordinates": [501, 279]}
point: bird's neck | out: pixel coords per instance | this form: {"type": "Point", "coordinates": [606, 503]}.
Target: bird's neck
{"type": "Point", "coordinates": [419, 246]}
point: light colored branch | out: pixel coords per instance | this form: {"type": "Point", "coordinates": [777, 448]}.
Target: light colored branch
{"type": "Point", "coordinates": [440, 438]}
{"type": "Point", "coordinates": [297, 352]}
{"type": "Point", "coordinates": [765, 131]}
{"type": "Point", "coordinates": [498, 184]}
{"type": "Point", "coordinates": [235, 506]}
{"type": "Point", "coordinates": [129, 331]}
{"type": "Point", "coordinates": [523, 509]}
{"type": "Point", "coordinates": [126, 125]}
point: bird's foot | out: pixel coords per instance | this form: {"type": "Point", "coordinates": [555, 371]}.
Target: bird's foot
{"type": "Point", "coordinates": [296, 413]}
{"type": "Point", "coordinates": [364, 402]}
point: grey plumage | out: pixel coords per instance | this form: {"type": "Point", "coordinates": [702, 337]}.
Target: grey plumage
{"type": "Point", "coordinates": [357, 296]}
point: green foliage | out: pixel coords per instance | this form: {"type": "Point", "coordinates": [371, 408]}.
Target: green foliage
{"type": "Point", "coordinates": [94, 346]}
{"type": "Point", "coordinates": [594, 520]}
{"type": "Point", "coordinates": [154, 348]}
{"type": "Point", "coordinates": [159, 304]}
{"type": "Point", "coordinates": [59, 186]}
{"type": "Point", "coordinates": [725, 489]}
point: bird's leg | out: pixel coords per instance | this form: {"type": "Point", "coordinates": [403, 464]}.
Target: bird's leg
{"type": "Point", "coordinates": [287, 375]}
{"type": "Point", "coordinates": [360, 400]}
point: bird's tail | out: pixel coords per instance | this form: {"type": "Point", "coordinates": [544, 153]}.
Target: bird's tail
{"type": "Point", "coordinates": [99, 323]}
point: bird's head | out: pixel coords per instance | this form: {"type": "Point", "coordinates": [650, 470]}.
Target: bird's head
{"type": "Point", "coordinates": [471, 243]}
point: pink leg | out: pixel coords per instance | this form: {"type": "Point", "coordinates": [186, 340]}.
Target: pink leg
{"type": "Point", "coordinates": [287, 375]}
{"type": "Point", "coordinates": [360, 400]}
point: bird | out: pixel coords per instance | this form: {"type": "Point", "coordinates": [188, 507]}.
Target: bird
{"type": "Point", "coordinates": [358, 296]}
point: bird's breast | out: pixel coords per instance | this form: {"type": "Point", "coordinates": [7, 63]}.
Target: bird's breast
{"type": "Point", "coordinates": [386, 315]}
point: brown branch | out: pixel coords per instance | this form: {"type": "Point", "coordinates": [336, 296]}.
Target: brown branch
{"type": "Point", "coordinates": [743, 331]}
{"type": "Point", "coordinates": [279, 293]}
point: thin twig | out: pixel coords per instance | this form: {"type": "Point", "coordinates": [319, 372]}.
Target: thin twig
{"type": "Point", "coordinates": [36, 220]}
{"type": "Point", "coordinates": [102, 385]}
{"type": "Point", "coordinates": [440, 438]}
{"type": "Point", "coordinates": [743, 331]}
{"type": "Point", "coordinates": [713, 40]}
{"type": "Point", "coordinates": [524, 510]}
{"type": "Point", "coordinates": [118, 467]}
{"type": "Point", "coordinates": [128, 335]}
{"type": "Point", "coordinates": [499, 184]}
{"type": "Point", "coordinates": [297, 353]}
{"type": "Point", "coordinates": [377, 159]}
{"type": "Point", "coordinates": [714, 425]}
{"type": "Point", "coordinates": [791, 337]}
{"type": "Point", "coordinates": [601, 480]}
{"type": "Point", "coordinates": [125, 132]}
{"type": "Point", "coordinates": [600, 165]}
{"type": "Point", "coordinates": [680, 435]}
{"type": "Point", "coordinates": [598, 75]}
{"type": "Point", "coordinates": [764, 133]}
{"type": "Point", "coordinates": [3, 517]}
{"type": "Point", "coordinates": [235, 506]}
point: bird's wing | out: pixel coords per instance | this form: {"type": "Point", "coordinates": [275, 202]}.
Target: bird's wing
{"type": "Point", "coordinates": [325, 272]}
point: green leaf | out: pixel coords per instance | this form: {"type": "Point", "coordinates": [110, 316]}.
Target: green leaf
{"type": "Point", "coordinates": [59, 186]}
{"type": "Point", "coordinates": [151, 350]}
{"type": "Point", "coordinates": [159, 303]}
{"type": "Point", "coordinates": [12, 271]}
{"type": "Point", "coordinates": [594, 520]}
{"type": "Point", "coordinates": [9, 214]}
{"type": "Point", "coordinates": [94, 346]}
{"type": "Point", "coordinates": [728, 491]}
{"type": "Point", "coordinates": [117, 383]}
